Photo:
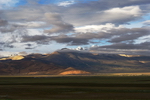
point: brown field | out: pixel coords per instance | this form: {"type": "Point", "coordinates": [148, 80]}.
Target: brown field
{"type": "Point", "coordinates": [125, 74]}
{"type": "Point", "coordinates": [98, 74]}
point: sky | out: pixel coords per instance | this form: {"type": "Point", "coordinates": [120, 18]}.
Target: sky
{"type": "Point", "coordinates": [43, 26]}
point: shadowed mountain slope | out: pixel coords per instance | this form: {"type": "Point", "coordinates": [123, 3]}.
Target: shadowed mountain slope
{"type": "Point", "coordinates": [74, 63]}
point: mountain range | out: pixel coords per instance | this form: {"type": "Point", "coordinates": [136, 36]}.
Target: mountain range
{"type": "Point", "coordinates": [74, 63]}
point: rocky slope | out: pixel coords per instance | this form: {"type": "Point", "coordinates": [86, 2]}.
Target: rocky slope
{"type": "Point", "coordinates": [64, 63]}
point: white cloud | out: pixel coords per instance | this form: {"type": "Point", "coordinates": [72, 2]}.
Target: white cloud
{"type": "Point", "coordinates": [32, 24]}
{"type": "Point", "coordinates": [146, 22]}
{"type": "Point", "coordinates": [114, 15]}
{"type": "Point", "coordinates": [97, 28]}
{"type": "Point", "coordinates": [124, 14]}
{"type": "Point", "coordinates": [7, 3]}
{"type": "Point", "coordinates": [131, 10]}
{"type": "Point", "coordinates": [66, 3]}
{"type": "Point", "coordinates": [32, 32]}
{"type": "Point", "coordinates": [143, 39]}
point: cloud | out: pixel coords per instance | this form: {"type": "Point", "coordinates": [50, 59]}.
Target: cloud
{"type": "Point", "coordinates": [129, 51]}
{"type": "Point", "coordinates": [3, 22]}
{"type": "Point", "coordinates": [66, 3]}
{"type": "Point", "coordinates": [7, 3]}
{"type": "Point", "coordinates": [23, 14]}
{"type": "Point", "coordinates": [30, 13]}
{"type": "Point", "coordinates": [96, 11]}
{"type": "Point", "coordinates": [79, 14]}
{"type": "Point", "coordinates": [8, 28]}
{"type": "Point", "coordinates": [58, 26]}
{"type": "Point", "coordinates": [70, 40]}
{"type": "Point", "coordinates": [10, 36]}
{"type": "Point", "coordinates": [129, 34]}
{"type": "Point", "coordinates": [74, 23]}
{"type": "Point", "coordinates": [145, 45]}
{"type": "Point", "coordinates": [96, 28]}
{"type": "Point", "coordinates": [131, 2]}
{"type": "Point", "coordinates": [1, 45]}
{"type": "Point", "coordinates": [122, 15]}
{"type": "Point", "coordinates": [116, 34]}
{"type": "Point", "coordinates": [147, 22]}
{"type": "Point", "coordinates": [8, 46]}
{"type": "Point", "coordinates": [32, 24]}
{"type": "Point", "coordinates": [110, 35]}
{"type": "Point", "coordinates": [143, 39]}
{"type": "Point", "coordinates": [39, 17]}
{"type": "Point", "coordinates": [33, 38]}
{"type": "Point", "coordinates": [114, 15]}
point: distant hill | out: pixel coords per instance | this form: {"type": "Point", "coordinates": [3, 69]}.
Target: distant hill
{"type": "Point", "coordinates": [71, 62]}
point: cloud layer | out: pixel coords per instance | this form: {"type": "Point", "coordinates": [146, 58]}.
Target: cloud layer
{"type": "Point", "coordinates": [74, 23]}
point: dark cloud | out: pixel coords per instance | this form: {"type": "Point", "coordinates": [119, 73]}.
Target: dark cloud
{"type": "Point", "coordinates": [34, 38]}
{"type": "Point", "coordinates": [1, 45]}
{"type": "Point", "coordinates": [58, 25]}
{"type": "Point", "coordinates": [116, 35]}
{"type": "Point", "coordinates": [129, 34]}
{"type": "Point", "coordinates": [89, 36]}
{"type": "Point", "coordinates": [6, 26]}
{"type": "Point", "coordinates": [9, 46]}
{"type": "Point", "coordinates": [4, 45]}
{"type": "Point", "coordinates": [3, 22]}
{"type": "Point", "coordinates": [60, 28]}
{"type": "Point", "coordinates": [130, 51]}
{"type": "Point", "coordinates": [114, 3]}
{"type": "Point", "coordinates": [113, 36]}
{"type": "Point", "coordinates": [131, 2]}
{"type": "Point", "coordinates": [145, 45]}
{"type": "Point", "coordinates": [70, 40]}
{"type": "Point", "coordinates": [29, 48]}
{"type": "Point", "coordinates": [29, 44]}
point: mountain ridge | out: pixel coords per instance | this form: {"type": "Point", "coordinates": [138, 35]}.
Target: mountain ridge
{"type": "Point", "coordinates": [64, 63]}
